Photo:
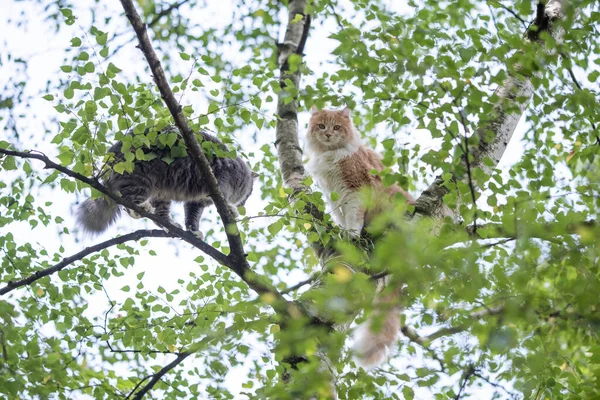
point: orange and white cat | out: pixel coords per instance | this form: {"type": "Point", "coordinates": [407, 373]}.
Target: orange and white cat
{"type": "Point", "coordinates": [340, 163]}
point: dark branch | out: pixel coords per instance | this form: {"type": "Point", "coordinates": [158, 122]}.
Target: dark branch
{"type": "Point", "coordinates": [411, 334]}
{"type": "Point", "coordinates": [157, 376]}
{"type": "Point", "coordinates": [513, 13]}
{"type": "Point", "coordinates": [183, 234]}
{"type": "Point", "coordinates": [576, 82]}
{"type": "Point", "coordinates": [305, 282]}
{"type": "Point", "coordinates": [467, 374]}
{"type": "Point", "coordinates": [194, 150]}
{"type": "Point", "coordinates": [12, 285]}
{"type": "Point", "coordinates": [257, 284]}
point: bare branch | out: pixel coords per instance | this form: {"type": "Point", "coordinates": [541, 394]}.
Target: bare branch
{"type": "Point", "coordinates": [494, 384]}
{"type": "Point", "coordinates": [513, 13]}
{"type": "Point", "coordinates": [305, 282]}
{"type": "Point", "coordinates": [576, 82]}
{"type": "Point", "coordinates": [194, 348]}
{"type": "Point", "coordinates": [12, 285]}
{"type": "Point", "coordinates": [157, 376]}
{"type": "Point", "coordinates": [467, 374]}
{"type": "Point", "coordinates": [165, 11]}
{"type": "Point", "coordinates": [424, 341]}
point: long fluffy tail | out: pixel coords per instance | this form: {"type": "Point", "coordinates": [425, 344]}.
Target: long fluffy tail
{"type": "Point", "coordinates": [96, 215]}
{"type": "Point", "coordinates": [379, 332]}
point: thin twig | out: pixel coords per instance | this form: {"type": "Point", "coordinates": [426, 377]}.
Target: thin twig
{"type": "Point", "coordinates": [513, 13]}
{"type": "Point", "coordinates": [580, 88]}
{"type": "Point", "coordinates": [166, 11]}
{"type": "Point", "coordinates": [494, 384]}
{"type": "Point", "coordinates": [305, 282]}
{"type": "Point", "coordinates": [467, 374]}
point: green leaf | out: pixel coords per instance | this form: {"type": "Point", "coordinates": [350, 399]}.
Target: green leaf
{"type": "Point", "coordinates": [101, 38]}
{"type": "Point", "coordinates": [275, 227]}
{"type": "Point", "coordinates": [408, 393]}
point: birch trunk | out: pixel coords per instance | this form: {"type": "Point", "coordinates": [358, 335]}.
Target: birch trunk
{"type": "Point", "coordinates": [513, 97]}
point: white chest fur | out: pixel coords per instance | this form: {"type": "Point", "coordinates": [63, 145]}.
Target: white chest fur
{"type": "Point", "coordinates": [325, 168]}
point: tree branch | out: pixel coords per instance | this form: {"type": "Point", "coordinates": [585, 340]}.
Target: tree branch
{"type": "Point", "coordinates": [467, 374]}
{"type": "Point", "coordinates": [289, 152]}
{"type": "Point", "coordinates": [239, 263]}
{"type": "Point", "coordinates": [157, 376]}
{"type": "Point", "coordinates": [166, 11]}
{"type": "Point", "coordinates": [12, 285]}
{"type": "Point", "coordinates": [513, 13]}
{"type": "Point", "coordinates": [548, 231]}
{"type": "Point", "coordinates": [194, 348]}
{"type": "Point", "coordinates": [424, 341]}
{"type": "Point", "coordinates": [513, 97]}
{"type": "Point", "coordinates": [194, 150]}
{"type": "Point", "coordinates": [181, 233]}
{"type": "Point", "coordinates": [260, 286]}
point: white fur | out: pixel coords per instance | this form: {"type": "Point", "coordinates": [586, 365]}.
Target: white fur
{"type": "Point", "coordinates": [325, 168]}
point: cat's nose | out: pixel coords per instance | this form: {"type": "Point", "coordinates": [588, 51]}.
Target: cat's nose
{"type": "Point", "coordinates": [328, 135]}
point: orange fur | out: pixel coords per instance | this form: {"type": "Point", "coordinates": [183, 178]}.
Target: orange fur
{"type": "Point", "coordinates": [331, 131]}
{"type": "Point", "coordinates": [342, 164]}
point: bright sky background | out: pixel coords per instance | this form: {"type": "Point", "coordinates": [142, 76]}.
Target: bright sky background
{"type": "Point", "coordinates": [44, 50]}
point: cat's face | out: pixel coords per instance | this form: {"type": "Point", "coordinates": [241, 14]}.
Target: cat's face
{"type": "Point", "coordinates": [330, 129]}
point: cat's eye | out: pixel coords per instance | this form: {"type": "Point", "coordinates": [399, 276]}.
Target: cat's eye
{"type": "Point", "coordinates": [336, 128]}
{"type": "Point", "coordinates": [321, 126]}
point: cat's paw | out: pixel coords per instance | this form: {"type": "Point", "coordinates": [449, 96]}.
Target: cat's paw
{"type": "Point", "coordinates": [172, 222]}
{"type": "Point", "coordinates": [198, 234]}
{"type": "Point", "coordinates": [146, 206]}
{"type": "Point", "coordinates": [234, 210]}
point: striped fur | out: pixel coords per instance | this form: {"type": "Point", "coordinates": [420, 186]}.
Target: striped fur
{"type": "Point", "coordinates": [154, 184]}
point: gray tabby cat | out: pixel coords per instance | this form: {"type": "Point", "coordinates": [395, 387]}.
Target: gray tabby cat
{"type": "Point", "coordinates": [154, 184]}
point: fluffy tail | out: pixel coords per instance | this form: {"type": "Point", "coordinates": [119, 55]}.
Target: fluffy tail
{"type": "Point", "coordinates": [380, 331]}
{"type": "Point", "coordinates": [96, 215]}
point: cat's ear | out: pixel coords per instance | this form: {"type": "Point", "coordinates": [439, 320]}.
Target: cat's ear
{"type": "Point", "coordinates": [254, 175]}
{"type": "Point", "coordinates": [314, 109]}
{"type": "Point", "coordinates": [346, 112]}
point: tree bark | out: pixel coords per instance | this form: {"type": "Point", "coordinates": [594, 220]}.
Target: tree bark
{"type": "Point", "coordinates": [512, 100]}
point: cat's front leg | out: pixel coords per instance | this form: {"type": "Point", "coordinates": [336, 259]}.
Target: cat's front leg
{"type": "Point", "coordinates": [163, 209]}
{"type": "Point", "coordinates": [354, 216]}
{"type": "Point", "coordinates": [193, 213]}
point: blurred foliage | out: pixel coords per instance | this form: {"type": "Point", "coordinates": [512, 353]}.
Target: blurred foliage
{"type": "Point", "coordinates": [419, 68]}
